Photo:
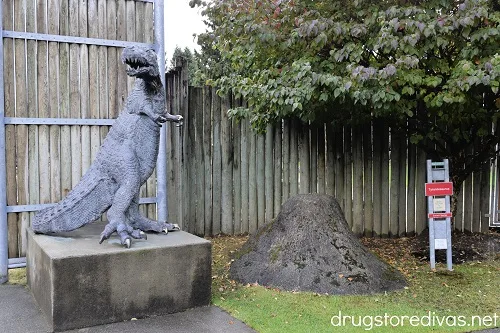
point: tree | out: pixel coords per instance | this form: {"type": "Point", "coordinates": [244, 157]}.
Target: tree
{"type": "Point", "coordinates": [192, 62]}
{"type": "Point", "coordinates": [430, 67]}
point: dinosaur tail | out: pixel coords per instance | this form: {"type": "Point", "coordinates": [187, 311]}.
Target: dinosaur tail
{"type": "Point", "coordinates": [84, 204]}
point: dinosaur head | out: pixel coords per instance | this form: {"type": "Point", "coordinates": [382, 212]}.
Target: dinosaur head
{"type": "Point", "coordinates": [141, 62]}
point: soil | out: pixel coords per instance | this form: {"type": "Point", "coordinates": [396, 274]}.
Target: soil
{"type": "Point", "coordinates": [466, 247]}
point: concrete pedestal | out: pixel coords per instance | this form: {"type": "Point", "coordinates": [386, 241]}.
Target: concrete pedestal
{"type": "Point", "coordinates": [79, 283]}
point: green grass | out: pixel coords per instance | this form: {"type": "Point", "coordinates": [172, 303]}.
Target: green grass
{"type": "Point", "coordinates": [471, 289]}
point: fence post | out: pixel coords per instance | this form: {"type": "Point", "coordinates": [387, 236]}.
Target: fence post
{"type": "Point", "coordinates": [4, 254]}
{"type": "Point", "coordinates": [161, 165]}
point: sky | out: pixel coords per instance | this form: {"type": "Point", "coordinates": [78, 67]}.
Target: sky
{"type": "Point", "coordinates": [181, 21]}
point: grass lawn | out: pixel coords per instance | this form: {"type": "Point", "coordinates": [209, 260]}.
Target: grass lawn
{"type": "Point", "coordinates": [472, 289]}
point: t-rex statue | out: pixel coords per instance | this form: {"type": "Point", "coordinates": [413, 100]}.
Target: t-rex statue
{"type": "Point", "coordinates": [124, 162]}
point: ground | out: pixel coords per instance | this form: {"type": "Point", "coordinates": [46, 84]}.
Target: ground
{"type": "Point", "coordinates": [472, 289]}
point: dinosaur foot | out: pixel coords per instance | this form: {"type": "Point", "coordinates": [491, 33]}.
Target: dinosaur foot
{"type": "Point", "coordinates": [125, 232]}
{"type": "Point", "coordinates": [166, 227]}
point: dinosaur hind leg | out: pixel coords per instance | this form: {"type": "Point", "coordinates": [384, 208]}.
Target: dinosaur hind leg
{"type": "Point", "coordinates": [118, 221]}
{"type": "Point", "coordinates": [143, 223]}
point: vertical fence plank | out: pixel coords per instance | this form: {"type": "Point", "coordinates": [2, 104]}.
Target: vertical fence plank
{"type": "Point", "coordinates": [236, 143]}
{"type": "Point", "coordinates": [10, 131]}
{"type": "Point", "coordinates": [412, 185]}
{"type": "Point", "coordinates": [43, 104]}
{"type": "Point", "coordinates": [468, 189]}
{"type": "Point", "coordinates": [377, 177]}
{"type": "Point", "coordinates": [121, 34]}
{"type": "Point", "coordinates": [207, 151]}
{"type": "Point", "coordinates": [321, 160]}
{"type": "Point", "coordinates": [261, 194]}
{"type": "Point", "coordinates": [394, 183]}
{"type": "Point", "coordinates": [269, 170]}
{"type": "Point", "coordinates": [458, 220]}
{"type": "Point", "coordinates": [385, 181]}
{"type": "Point", "coordinates": [21, 130]}
{"type": "Point", "coordinates": [190, 161]}
{"type": "Point", "coordinates": [54, 131]}
{"type": "Point", "coordinates": [285, 147]}
{"type": "Point", "coordinates": [368, 179]}
{"type": "Point", "coordinates": [245, 164]}
{"type": "Point", "coordinates": [64, 108]}
{"type": "Point", "coordinates": [348, 175]}
{"type": "Point", "coordinates": [183, 106]}
{"type": "Point", "coordinates": [357, 180]}
{"type": "Point", "coordinates": [172, 174]}
{"type": "Point", "coordinates": [252, 184]}
{"type": "Point", "coordinates": [294, 158]}
{"type": "Point", "coordinates": [227, 168]}
{"type": "Point", "coordinates": [402, 185]}
{"type": "Point", "coordinates": [74, 95]}
{"type": "Point", "coordinates": [484, 197]}
{"type": "Point", "coordinates": [217, 163]}
{"type": "Point", "coordinates": [199, 162]}
{"type": "Point", "coordinates": [338, 136]}
{"type": "Point", "coordinates": [84, 88]}
{"type": "Point", "coordinates": [313, 168]}
{"type": "Point", "coordinates": [304, 159]}
{"type": "Point", "coordinates": [130, 8]}
{"type": "Point", "coordinates": [147, 19]}
{"type": "Point", "coordinates": [476, 201]}
{"type": "Point", "coordinates": [420, 199]}
{"type": "Point", "coordinates": [330, 159]}
{"type": "Point", "coordinates": [278, 129]}
{"type": "Point", "coordinates": [93, 31]}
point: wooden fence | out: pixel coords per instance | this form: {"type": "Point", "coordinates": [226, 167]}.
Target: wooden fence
{"type": "Point", "coordinates": [63, 80]}
{"type": "Point", "coordinates": [224, 178]}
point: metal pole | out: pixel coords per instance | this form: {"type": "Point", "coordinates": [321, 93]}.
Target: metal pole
{"type": "Point", "coordinates": [161, 164]}
{"type": "Point", "coordinates": [4, 253]}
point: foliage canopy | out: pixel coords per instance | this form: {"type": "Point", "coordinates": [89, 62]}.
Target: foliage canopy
{"type": "Point", "coordinates": [431, 67]}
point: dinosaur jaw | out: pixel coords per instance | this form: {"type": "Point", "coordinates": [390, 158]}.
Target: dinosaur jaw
{"type": "Point", "coordinates": [141, 62]}
{"type": "Point", "coordinates": [137, 67]}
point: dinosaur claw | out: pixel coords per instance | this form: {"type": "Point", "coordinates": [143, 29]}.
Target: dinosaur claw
{"type": "Point", "coordinates": [128, 243]}
{"type": "Point", "coordinates": [175, 227]}
{"type": "Point", "coordinates": [143, 235]}
{"type": "Point", "coordinates": [103, 237]}
{"type": "Point", "coordinates": [165, 231]}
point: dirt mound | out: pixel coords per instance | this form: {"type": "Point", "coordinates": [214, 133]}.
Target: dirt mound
{"type": "Point", "coordinates": [310, 247]}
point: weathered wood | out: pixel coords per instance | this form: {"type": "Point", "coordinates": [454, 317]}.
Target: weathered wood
{"type": "Point", "coordinates": [484, 198]}
{"type": "Point", "coordinates": [458, 219]}
{"type": "Point", "coordinates": [468, 209]}
{"type": "Point", "coordinates": [93, 30]}
{"type": "Point", "coordinates": [412, 185]}
{"type": "Point", "coordinates": [217, 163]}
{"type": "Point", "coordinates": [43, 104]}
{"type": "Point", "coordinates": [268, 176]}
{"type": "Point", "coordinates": [476, 201]}
{"type": "Point", "coordinates": [227, 168]}
{"type": "Point", "coordinates": [84, 89]}
{"type": "Point", "coordinates": [313, 159]}
{"type": "Point", "coordinates": [102, 58]}
{"type": "Point", "coordinates": [377, 178]}
{"type": "Point", "coordinates": [357, 185]}
{"type": "Point", "coordinates": [148, 21]}
{"type": "Point", "coordinates": [261, 194]}
{"type": "Point", "coordinates": [74, 95]}
{"type": "Point", "coordinates": [420, 198]}
{"type": "Point", "coordinates": [394, 183]}
{"type": "Point", "coordinates": [10, 130]}
{"type": "Point", "coordinates": [402, 185]}
{"type": "Point", "coordinates": [330, 160]}
{"type": "Point", "coordinates": [304, 159]}
{"type": "Point", "coordinates": [54, 131]}
{"type": "Point", "coordinates": [207, 152]}
{"type": "Point", "coordinates": [199, 161]}
{"type": "Point", "coordinates": [278, 129]}
{"type": "Point", "coordinates": [236, 143]}
{"type": "Point", "coordinates": [368, 179]}
{"type": "Point", "coordinates": [321, 160]}
{"type": "Point", "coordinates": [245, 163]}
{"type": "Point", "coordinates": [348, 175]}
{"type": "Point", "coordinates": [252, 184]}
{"type": "Point", "coordinates": [21, 130]}
{"type": "Point", "coordinates": [339, 165]}
{"type": "Point", "coordinates": [385, 181]}
{"type": "Point", "coordinates": [121, 34]}
{"type": "Point", "coordinates": [285, 148]}
{"type": "Point", "coordinates": [191, 160]}
{"type": "Point", "coordinates": [140, 33]}
{"type": "Point", "coordinates": [294, 158]}
{"type": "Point", "coordinates": [130, 35]}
